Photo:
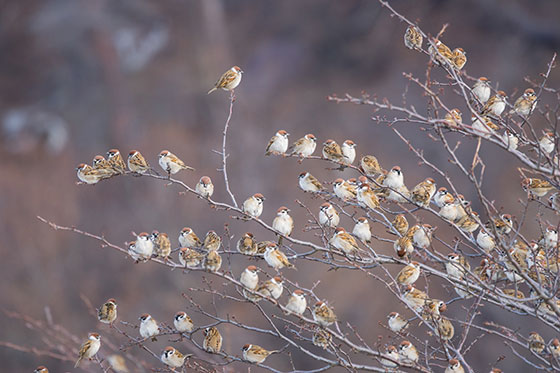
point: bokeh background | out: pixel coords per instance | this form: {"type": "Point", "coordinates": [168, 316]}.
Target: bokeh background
{"type": "Point", "coordinates": [78, 77]}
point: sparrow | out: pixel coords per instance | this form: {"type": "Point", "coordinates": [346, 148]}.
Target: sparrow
{"type": "Point", "coordinates": [400, 224]}
{"type": "Point", "coordinates": [395, 181]}
{"type": "Point", "coordinates": [278, 143]}
{"type": "Point", "coordinates": [454, 366]}
{"type": "Point", "coordinates": [403, 246]}
{"type": "Point", "coordinates": [361, 230]}
{"type": "Point", "coordinates": [86, 174]}
{"type": "Point", "coordinates": [413, 38]}
{"type": "Point", "coordinates": [459, 58]}
{"type": "Point", "coordinates": [496, 370]}
{"type": "Point", "coordinates": [137, 163]}
{"type": "Point", "coordinates": [536, 187]}
{"type": "Point", "coordinates": [271, 288]}
{"type": "Point", "coordinates": [250, 277]}
{"type": "Point", "coordinates": [89, 348]}
{"type": "Point", "coordinates": [321, 338]}
{"type": "Point", "coordinates": [554, 348]}
{"type": "Point", "coordinates": [283, 222]}
{"type": "Point", "coordinates": [349, 151]}
{"type": "Point", "coordinates": [189, 239]}
{"type": "Point", "coordinates": [449, 211]}
{"type": "Point", "coordinates": [172, 357]}
{"type": "Point", "coordinates": [144, 246]}
{"type": "Point", "coordinates": [495, 105]}
{"type": "Point", "coordinates": [261, 247]}
{"type": "Point", "coordinates": [547, 142]}
{"type": "Point", "coordinates": [255, 354]}
{"type": "Point", "coordinates": [414, 298]}
{"type": "Point", "coordinates": [510, 139]}
{"type": "Point", "coordinates": [391, 358]}
{"type": "Point", "coordinates": [536, 343]}
{"type": "Point", "coordinates": [482, 89]}
{"type": "Point", "coordinates": [423, 192]}
{"type": "Point", "coordinates": [247, 245]}
{"type": "Point", "coordinates": [440, 53]}
{"type": "Point", "coordinates": [182, 322]}
{"type": "Point", "coordinates": [442, 195]}
{"type": "Point", "coordinates": [444, 330]}
{"type": "Point", "coordinates": [212, 241]}
{"type": "Point", "coordinates": [554, 201]}
{"type": "Point", "coordinates": [462, 206]}
{"type": "Point", "coordinates": [148, 327]}
{"type": "Point", "coordinates": [343, 190]}
{"type": "Point", "coordinates": [204, 187]}
{"type": "Point", "coordinates": [305, 146]}
{"type": "Point", "coordinates": [212, 340]}
{"type": "Point", "coordinates": [190, 258]}
{"type": "Point", "coordinates": [253, 206]}
{"type": "Point", "coordinates": [308, 183]}
{"type": "Point", "coordinates": [409, 274]}
{"type": "Point", "coordinates": [407, 352]}
{"type": "Point", "coordinates": [503, 224]}
{"type": "Point", "coordinates": [396, 322]}
{"type": "Point", "coordinates": [468, 224]}
{"type": "Point", "coordinates": [432, 309]}
{"type": "Point", "coordinates": [107, 314]}
{"type": "Point", "coordinates": [344, 241]}
{"type": "Point", "coordinates": [229, 80]}
{"type": "Point", "coordinates": [453, 118]}
{"type": "Point", "coordinates": [296, 303]}
{"type": "Point", "coordinates": [162, 244]}
{"type": "Point", "coordinates": [549, 239]}
{"type": "Point", "coordinates": [370, 166]}
{"type": "Point", "coordinates": [483, 127]}
{"type": "Point", "coordinates": [456, 266]}
{"type": "Point", "coordinates": [103, 167]}
{"type": "Point", "coordinates": [171, 163]}
{"type": "Point", "coordinates": [366, 197]}
{"type": "Point", "coordinates": [118, 363]}
{"type": "Point", "coordinates": [526, 103]}
{"type": "Point", "coordinates": [328, 216]}
{"type": "Point", "coordinates": [276, 258]}
{"type": "Point", "coordinates": [421, 235]}
{"type": "Point", "coordinates": [332, 151]}
{"type": "Point", "coordinates": [212, 261]}
{"type": "Point", "coordinates": [323, 314]}
{"type": "Point", "coordinates": [115, 160]}
{"type": "Point", "coordinates": [41, 369]}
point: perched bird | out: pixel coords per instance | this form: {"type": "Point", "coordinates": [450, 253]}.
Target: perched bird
{"type": "Point", "coordinates": [444, 330]}
{"type": "Point", "coordinates": [442, 195]}
{"type": "Point", "coordinates": [394, 180]}
{"type": "Point", "coordinates": [89, 348]}
{"type": "Point", "coordinates": [162, 244]}
{"type": "Point", "coordinates": [413, 38]}
{"type": "Point", "coordinates": [278, 144]}
{"type": "Point", "coordinates": [229, 80]}
{"type": "Point", "coordinates": [453, 118]}
{"type": "Point", "coordinates": [250, 277]}
{"type": "Point", "coordinates": [296, 303]}
{"type": "Point", "coordinates": [549, 239]}
{"type": "Point", "coordinates": [305, 146]}
{"type": "Point", "coordinates": [449, 211]}
{"type": "Point", "coordinates": [332, 151]}
{"type": "Point", "coordinates": [396, 322]}
{"type": "Point", "coordinates": [503, 224]}
{"type": "Point", "coordinates": [321, 338]}
{"type": "Point", "coordinates": [440, 53]}
{"type": "Point", "coordinates": [454, 366]}
{"type": "Point", "coordinates": [344, 241]}
{"type": "Point", "coordinates": [370, 166]}
{"type": "Point", "coordinates": [554, 348]}
{"type": "Point", "coordinates": [276, 258]}
{"type": "Point", "coordinates": [283, 222]}
{"type": "Point", "coordinates": [400, 224]}
{"type": "Point", "coordinates": [407, 352]}
{"type": "Point", "coordinates": [253, 206]}
{"type": "Point", "coordinates": [272, 288]}
{"type": "Point", "coordinates": [255, 354]}
{"type": "Point", "coordinates": [144, 246]}
{"type": "Point", "coordinates": [403, 246]}
{"type": "Point", "coordinates": [148, 327]}
{"type": "Point", "coordinates": [107, 314]}
{"type": "Point", "coordinates": [171, 163]}
{"type": "Point", "coordinates": [137, 163]}
{"type": "Point", "coordinates": [536, 187]}
{"type": "Point", "coordinates": [343, 190]}
{"type": "Point", "coordinates": [554, 201]}
{"type": "Point", "coordinates": [328, 216]}
{"type": "Point", "coordinates": [212, 261]}
{"type": "Point", "coordinates": [482, 89]}
{"type": "Point", "coordinates": [212, 241]}
{"type": "Point", "coordinates": [308, 183]}
{"type": "Point", "coordinates": [361, 230]}
{"type": "Point", "coordinates": [495, 104]}
{"type": "Point", "coordinates": [366, 197]}
{"type": "Point", "coordinates": [247, 245]}
{"type": "Point", "coordinates": [459, 58]}
{"type": "Point", "coordinates": [262, 245]}
{"type": "Point", "coordinates": [456, 266]}
{"type": "Point", "coordinates": [409, 274]}
{"type": "Point", "coordinates": [536, 343]}
{"type": "Point", "coordinates": [510, 139]}
{"type": "Point", "coordinates": [115, 160]}
{"type": "Point", "coordinates": [547, 142]}
{"type": "Point", "coordinates": [118, 363]}
{"type": "Point", "coordinates": [189, 239]}
{"type": "Point", "coordinates": [414, 298]}
{"type": "Point", "coordinates": [483, 127]}
{"type": "Point", "coordinates": [432, 309]}
{"type": "Point", "coordinates": [87, 174]}
{"type": "Point", "coordinates": [182, 322]}
{"type": "Point", "coordinates": [468, 224]}
{"type": "Point", "coordinates": [323, 314]}
{"type": "Point", "coordinates": [526, 103]}
{"type": "Point", "coordinates": [349, 151]}
{"type": "Point", "coordinates": [172, 357]}
{"type": "Point", "coordinates": [212, 340]}
{"type": "Point", "coordinates": [103, 167]}
{"type": "Point", "coordinates": [422, 193]}
{"type": "Point", "coordinates": [421, 235]}
{"type": "Point", "coordinates": [41, 369]}
{"type": "Point", "coordinates": [204, 187]}
{"type": "Point", "coordinates": [391, 357]}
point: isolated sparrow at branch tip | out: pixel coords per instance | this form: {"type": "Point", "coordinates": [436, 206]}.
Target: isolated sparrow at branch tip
{"type": "Point", "coordinates": [86, 174]}
{"type": "Point", "coordinates": [107, 314]}
{"type": "Point", "coordinates": [212, 241]}
{"type": "Point", "coordinates": [328, 216]}
{"type": "Point", "coordinates": [89, 348]}
{"type": "Point", "coordinates": [253, 206]}
{"type": "Point", "coordinates": [276, 258]}
{"type": "Point", "coordinates": [495, 104]}
{"type": "Point", "coordinates": [247, 244]}
{"type": "Point", "coordinates": [344, 241]}
{"type": "Point", "coordinates": [407, 352]}
{"type": "Point", "coordinates": [229, 80]}
{"type": "Point", "coordinates": [343, 190]}
{"type": "Point", "coordinates": [323, 314]}
{"type": "Point", "coordinates": [212, 261]}
{"type": "Point", "coordinates": [454, 366]}
{"type": "Point", "coordinates": [296, 303]}
{"type": "Point", "coordinates": [332, 151]}
{"type": "Point", "coordinates": [204, 187]}
{"type": "Point", "coordinates": [362, 230]}
{"type": "Point", "coordinates": [250, 277]}
{"type": "Point", "coordinates": [278, 144]}
{"type": "Point", "coordinates": [391, 354]}
{"type": "Point", "coordinates": [305, 146]}
{"type": "Point", "coordinates": [118, 363]}
{"type": "Point", "coordinates": [423, 192]}
{"type": "Point", "coordinates": [321, 338]}
{"type": "Point", "coordinates": [189, 239]}
{"type": "Point", "coordinates": [308, 183]}
{"type": "Point", "coordinates": [396, 322]}
{"type": "Point", "coordinates": [212, 340]}
{"type": "Point", "coordinates": [171, 164]}
{"type": "Point", "coordinates": [526, 103]}
{"type": "Point", "coordinates": [482, 89]}
{"type": "Point", "coordinates": [137, 163]}
{"type": "Point", "coordinates": [172, 357]}
{"type": "Point", "coordinates": [409, 274]}
{"type": "Point", "coordinates": [162, 244]}
{"type": "Point", "coordinates": [148, 327]}
{"type": "Point", "coordinates": [413, 38]}
{"type": "Point", "coordinates": [370, 166]}
{"type": "Point", "coordinates": [400, 224]}
{"type": "Point", "coordinates": [182, 322]}
{"type": "Point", "coordinates": [349, 151]}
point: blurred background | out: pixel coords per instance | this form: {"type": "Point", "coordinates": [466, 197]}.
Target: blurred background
{"type": "Point", "coordinates": [78, 77]}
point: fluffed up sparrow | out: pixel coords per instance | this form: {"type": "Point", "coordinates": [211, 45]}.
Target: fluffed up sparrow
{"type": "Point", "coordinates": [366, 197]}
{"type": "Point", "coordinates": [547, 142]}
{"type": "Point", "coordinates": [409, 274]}
{"type": "Point", "coordinates": [343, 190]}
{"type": "Point", "coordinates": [283, 222]}
{"type": "Point", "coordinates": [89, 348]}
{"type": "Point", "coordinates": [189, 239]}
{"type": "Point", "coordinates": [414, 298]}
{"type": "Point", "coordinates": [276, 258]}
{"type": "Point", "coordinates": [403, 246]}
{"type": "Point", "coordinates": [422, 235]}
{"type": "Point", "coordinates": [115, 160]}
{"type": "Point", "coordinates": [423, 192]}
{"type": "Point", "coordinates": [137, 163]}
{"type": "Point", "coordinates": [444, 330]}
{"type": "Point", "coordinates": [370, 166]}
{"type": "Point", "coordinates": [400, 224]}
{"type": "Point", "coordinates": [442, 195]}
{"type": "Point", "coordinates": [321, 338]}
{"type": "Point", "coordinates": [391, 357]}
{"type": "Point", "coordinates": [183, 322]}
{"type": "Point", "coordinates": [172, 357]}
{"type": "Point", "coordinates": [482, 89]}
{"type": "Point", "coordinates": [459, 58]}
{"type": "Point", "coordinates": [454, 366]}
{"type": "Point", "coordinates": [212, 241]}
{"type": "Point", "coordinates": [118, 363]}
{"type": "Point", "coordinates": [526, 103]}
{"type": "Point", "coordinates": [107, 314]}
{"type": "Point", "coordinates": [536, 343]}
{"type": "Point", "coordinates": [510, 139]}
{"type": "Point", "coordinates": [204, 187]}
{"type": "Point", "coordinates": [456, 266]}
{"type": "Point", "coordinates": [247, 244]}
{"type": "Point", "coordinates": [250, 277]}
{"type": "Point", "coordinates": [440, 53]}
{"type": "Point", "coordinates": [396, 322]}
{"type": "Point", "coordinates": [305, 146]}
{"type": "Point", "coordinates": [255, 354]}
{"type": "Point", "coordinates": [148, 327]}
{"type": "Point", "coordinates": [407, 352]}
{"type": "Point", "coordinates": [278, 144]}
{"type": "Point", "coordinates": [453, 118]}
{"type": "Point", "coordinates": [323, 314]}
{"type": "Point", "coordinates": [190, 258]}
{"type": "Point", "coordinates": [332, 151]}
{"type": "Point", "coordinates": [162, 244]}
{"type": "Point", "coordinates": [296, 303]}
{"type": "Point", "coordinates": [328, 216]}
{"type": "Point", "coordinates": [469, 223]}
{"type": "Point", "coordinates": [549, 239]}
{"type": "Point", "coordinates": [362, 230]}
{"type": "Point", "coordinates": [212, 261]}
{"type": "Point", "coordinates": [349, 151]}
{"type": "Point", "coordinates": [413, 38]}
{"type": "Point", "coordinates": [495, 104]}
{"type": "Point", "coordinates": [171, 163]}
{"type": "Point", "coordinates": [253, 206]}
{"type": "Point", "coordinates": [87, 174]}
{"type": "Point", "coordinates": [395, 181]}
{"type": "Point", "coordinates": [344, 241]}
{"type": "Point", "coordinates": [212, 340]}
{"type": "Point", "coordinates": [103, 167]}
{"type": "Point", "coordinates": [449, 211]}
{"type": "Point", "coordinates": [308, 183]}
{"type": "Point", "coordinates": [554, 348]}
{"type": "Point", "coordinates": [536, 187]}
{"type": "Point", "coordinates": [503, 224]}
{"type": "Point", "coordinates": [229, 80]}
{"type": "Point", "coordinates": [272, 288]}
{"type": "Point", "coordinates": [144, 246]}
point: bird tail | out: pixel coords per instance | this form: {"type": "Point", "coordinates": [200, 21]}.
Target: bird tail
{"type": "Point", "coordinates": [212, 90]}
{"type": "Point", "coordinates": [279, 240]}
{"type": "Point", "coordinates": [77, 362]}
